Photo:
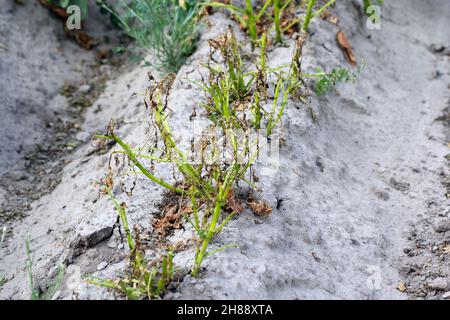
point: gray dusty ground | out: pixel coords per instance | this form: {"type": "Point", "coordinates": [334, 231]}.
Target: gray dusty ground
{"type": "Point", "coordinates": [46, 83]}
{"type": "Point", "coordinates": [364, 213]}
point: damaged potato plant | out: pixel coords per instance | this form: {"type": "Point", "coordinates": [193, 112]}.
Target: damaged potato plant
{"type": "Point", "coordinates": [209, 187]}
{"type": "Point", "coordinates": [239, 101]}
{"type": "Point", "coordinates": [237, 97]}
{"type": "Point", "coordinates": [143, 279]}
{"type": "Point", "coordinates": [270, 15]}
{"type": "Point", "coordinates": [291, 84]}
{"type": "Point", "coordinates": [210, 183]}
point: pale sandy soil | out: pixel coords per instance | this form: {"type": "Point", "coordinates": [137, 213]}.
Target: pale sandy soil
{"type": "Point", "coordinates": [363, 189]}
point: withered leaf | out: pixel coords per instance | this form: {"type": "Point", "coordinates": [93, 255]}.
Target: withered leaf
{"type": "Point", "coordinates": [83, 39]}
{"type": "Point", "coordinates": [260, 208]}
{"type": "Point", "coordinates": [109, 181]}
{"type": "Point", "coordinates": [233, 203]}
{"type": "Point", "coordinates": [170, 220]}
{"type": "Point", "coordinates": [57, 10]}
{"type": "Point", "coordinates": [187, 209]}
{"type": "Point", "coordinates": [346, 47]}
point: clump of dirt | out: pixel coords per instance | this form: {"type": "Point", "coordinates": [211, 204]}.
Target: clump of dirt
{"type": "Point", "coordinates": [427, 269]}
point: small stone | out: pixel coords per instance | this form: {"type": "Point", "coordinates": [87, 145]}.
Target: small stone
{"type": "Point", "coordinates": [17, 175]}
{"type": "Point", "coordinates": [401, 287]}
{"type": "Point", "coordinates": [111, 243]}
{"type": "Point", "coordinates": [436, 74]}
{"type": "Point", "coordinates": [91, 197]}
{"type": "Point", "coordinates": [56, 295]}
{"type": "Point", "coordinates": [446, 295]}
{"type": "Point", "coordinates": [200, 287]}
{"type": "Point", "coordinates": [177, 296]}
{"type": "Point", "coordinates": [444, 226]}
{"type": "Point", "coordinates": [84, 89]}
{"type": "Point", "coordinates": [92, 253]}
{"type": "Point", "coordinates": [438, 284]}
{"type": "Point", "coordinates": [383, 195]}
{"type": "Point", "coordinates": [102, 265]}
{"type": "Point", "coordinates": [168, 296]}
{"type": "Point", "coordinates": [400, 186]}
{"type": "Point", "coordinates": [120, 246]}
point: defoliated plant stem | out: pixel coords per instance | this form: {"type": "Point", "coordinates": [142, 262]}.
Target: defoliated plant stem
{"type": "Point", "coordinates": [308, 14]}
{"type": "Point", "coordinates": [276, 13]}
{"type": "Point", "coordinates": [251, 21]}
{"type": "Point", "coordinates": [224, 189]}
{"type": "Point", "coordinates": [209, 235]}
{"type": "Point", "coordinates": [136, 162]}
{"type": "Point", "coordinates": [318, 12]}
{"type": "Point", "coordinates": [123, 218]}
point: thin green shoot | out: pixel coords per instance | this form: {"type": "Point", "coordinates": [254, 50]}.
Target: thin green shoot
{"type": "Point", "coordinates": [129, 152]}
{"type": "Point", "coordinates": [123, 218]}
{"type": "Point", "coordinates": [223, 248]}
{"type": "Point", "coordinates": [2, 237]}
{"type": "Point", "coordinates": [248, 17]}
{"type": "Point", "coordinates": [311, 14]}
{"type": "Point", "coordinates": [278, 9]}
{"type": "Point", "coordinates": [35, 295]}
{"type": "Point", "coordinates": [275, 114]}
{"type": "Point", "coordinates": [53, 288]}
{"type": "Point", "coordinates": [141, 281]}
{"type": "Point", "coordinates": [220, 201]}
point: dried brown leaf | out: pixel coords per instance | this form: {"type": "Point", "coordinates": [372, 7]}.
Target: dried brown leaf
{"type": "Point", "coordinates": [170, 220]}
{"type": "Point", "coordinates": [109, 182]}
{"type": "Point", "coordinates": [83, 39]}
{"type": "Point", "coordinates": [260, 208]}
{"type": "Point", "coordinates": [57, 10]}
{"type": "Point", "coordinates": [233, 203]}
{"type": "Point", "coordinates": [346, 47]}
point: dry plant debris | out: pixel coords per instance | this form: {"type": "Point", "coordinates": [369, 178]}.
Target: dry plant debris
{"type": "Point", "coordinates": [344, 44]}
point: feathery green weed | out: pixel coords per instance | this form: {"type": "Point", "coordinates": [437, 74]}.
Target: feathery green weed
{"type": "Point", "coordinates": [165, 28]}
{"type": "Point", "coordinates": [327, 81]}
